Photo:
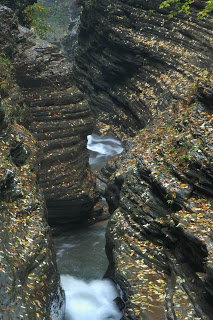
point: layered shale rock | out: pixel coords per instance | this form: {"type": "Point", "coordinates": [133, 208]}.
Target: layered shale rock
{"type": "Point", "coordinates": [30, 284]}
{"type": "Point", "coordinates": [61, 122]}
{"type": "Point", "coordinates": [133, 61]}
{"type": "Point", "coordinates": [70, 40]}
{"type": "Point", "coordinates": [159, 239]}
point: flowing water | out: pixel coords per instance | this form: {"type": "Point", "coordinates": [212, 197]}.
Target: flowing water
{"type": "Point", "coordinates": [82, 263]}
{"type": "Point", "coordinates": [81, 257]}
{"type": "Point", "coordinates": [90, 300]}
{"type": "Point", "coordinates": [102, 149]}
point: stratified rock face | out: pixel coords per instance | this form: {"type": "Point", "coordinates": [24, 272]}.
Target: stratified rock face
{"type": "Point", "coordinates": [132, 60]}
{"type": "Point", "coordinates": [8, 34]}
{"type": "Point", "coordinates": [30, 283]}
{"type": "Point", "coordinates": [159, 239]}
{"type": "Point", "coordinates": [61, 123]}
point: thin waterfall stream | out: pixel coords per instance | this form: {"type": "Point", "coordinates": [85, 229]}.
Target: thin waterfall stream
{"type": "Point", "coordinates": [81, 257]}
{"type": "Point", "coordinates": [102, 149]}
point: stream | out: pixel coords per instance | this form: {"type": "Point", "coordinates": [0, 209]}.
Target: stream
{"type": "Point", "coordinates": [81, 257]}
{"type": "Point", "coordinates": [101, 149]}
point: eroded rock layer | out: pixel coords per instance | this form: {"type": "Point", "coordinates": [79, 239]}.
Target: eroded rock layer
{"type": "Point", "coordinates": [61, 122]}
{"type": "Point", "coordinates": [159, 239]}
{"type": "Point", "coordinates": [133, 61]}
{"type": "Point", "coordinates": [29, 279]}
{"type": "Point", "coordinates": [30, 283]}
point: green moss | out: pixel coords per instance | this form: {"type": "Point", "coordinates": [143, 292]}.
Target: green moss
{"type": "Point", "coordinates": [36, 16]}
{"type": "Point", "coordinates": [5, 74]}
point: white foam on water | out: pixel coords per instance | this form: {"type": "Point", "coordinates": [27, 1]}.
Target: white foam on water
{"type": "Point", "coordinates": [90, 300]}
{"type": "Point", "coordinates": [104, 145]}
{"type": "Point", "coordinates": [102, 148]}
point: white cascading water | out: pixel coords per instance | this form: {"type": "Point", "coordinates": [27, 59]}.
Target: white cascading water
{"type": "Point", "coordinates": [102, 149]}
{"type": "Point", "coordinates": [90, 300]}
{"type": "Point", "coordinates": [82, 254]}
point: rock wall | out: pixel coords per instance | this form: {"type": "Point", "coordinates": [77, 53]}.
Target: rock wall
{"type": "Point", "coordinates": [61, 121]}
{"type": "Point", "coordinates": [140, 68]}
{"type": "Point", "coordinates": [30, 283]}
{"type": "Point", "coordinates": [132, 60]}
{"type": "Point", "coordinates": [70, 40]}
{"type": "Point", "coordinates": [159, 239]}
{"type": "Point", "coordinates": [64, 21]}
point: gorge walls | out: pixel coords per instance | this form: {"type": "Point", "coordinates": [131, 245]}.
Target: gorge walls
{"type": "Point", "coordinates": [133, 61]}
{"type": "Point", "coordinates": [140, 68]}
{"type": "Point", "coordinates": [29, 280]}
{"type": "Point", "coordinates": [159, 238]}
{"type": "Point", "coordinates": [60, 121]}
{"type": "Point", "coordinates": [30, 283]}
{"type": "Point", "coordinates": [64, 21]}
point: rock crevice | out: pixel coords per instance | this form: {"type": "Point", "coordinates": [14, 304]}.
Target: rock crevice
{"type": "Point", "coordinates": [61, 121]}
{"type": "Point", "coordinates": [140, 68]}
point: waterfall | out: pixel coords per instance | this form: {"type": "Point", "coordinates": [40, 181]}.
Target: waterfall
{"type": "Point", "coordinates": [81, 256]}
{"type": "Point", "coordinates": [102, 149]}
{"type": "Point", "coordinates": [90, 300]}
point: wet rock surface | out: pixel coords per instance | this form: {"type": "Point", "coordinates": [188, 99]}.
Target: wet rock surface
{"type": "Point", "coordinates": [140, 68]}
{"type": "Point", "coordinates": [159, 239]}
{"type": "Point", "coordinates": [61, 122]}
{"type": "Point", "coordinates": [133, 61]}
{"type": "Point", "coordinates": [29, 280]}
